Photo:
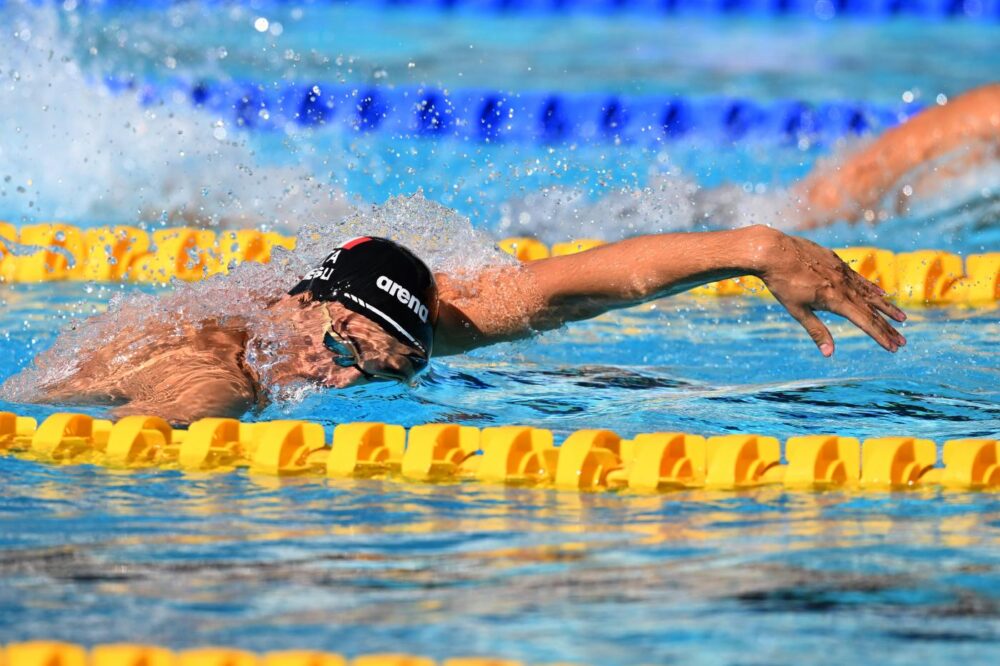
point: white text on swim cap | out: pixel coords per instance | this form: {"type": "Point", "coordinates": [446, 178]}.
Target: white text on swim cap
{"type": "Point", "coordinates": [325, 270]}
{"type": "Point", "coordinates": [404, 296]}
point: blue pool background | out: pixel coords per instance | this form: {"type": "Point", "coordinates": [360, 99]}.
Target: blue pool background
{"type": "Point", "coordinates": [91, 555]}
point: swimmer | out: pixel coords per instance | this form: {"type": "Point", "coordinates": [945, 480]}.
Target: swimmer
{"type": "Point", "coordinates": [373, 311]}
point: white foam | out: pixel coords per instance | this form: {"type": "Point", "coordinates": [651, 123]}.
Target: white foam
{"type": "Point", "coordinates": [444, 239]}
{"type": "Point", "coordinates": [74, 152]}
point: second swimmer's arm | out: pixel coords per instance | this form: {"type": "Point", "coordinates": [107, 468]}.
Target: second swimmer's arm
{"type": "Point", "coordinates": [844, 191]}
{"type": "Point", "coordinates": [545, 294]}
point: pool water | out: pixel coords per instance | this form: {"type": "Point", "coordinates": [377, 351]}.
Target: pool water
{"type": "Point", "coordinates": [740, 56]}
{"type": "Point", "coordinates": [355, 567]}
{"type": "Point", "coordinates": [92, 555]}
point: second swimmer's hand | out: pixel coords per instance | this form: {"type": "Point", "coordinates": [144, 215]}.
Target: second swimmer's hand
{"type": "Point", "coordinates": [805, 277]}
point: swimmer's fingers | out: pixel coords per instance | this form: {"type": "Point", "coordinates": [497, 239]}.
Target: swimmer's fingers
{"type": "Point", "coordinates": [868, 319]}
{"type": "Point", "coordinates": [876, 296]}
{"type": "Point", "coordinates": [884, 306]}
{"type": "Point", "coordinates": [867, 297]}
{"type": "Point", "coordinates": [816, 329]}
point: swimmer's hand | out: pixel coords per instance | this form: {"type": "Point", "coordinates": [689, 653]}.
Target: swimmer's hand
{"type": "Point", "coordinates": [512, 302]}
{"type": "Point", "coordinates": [805, 277]}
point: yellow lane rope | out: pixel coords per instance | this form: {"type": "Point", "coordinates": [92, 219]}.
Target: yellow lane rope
{"type": "Point", "coordinates": [65, 252]}
{"type": "Point", "coordinates": [54, 653]}
{"type": "Point", "coordinates": [587, 460]}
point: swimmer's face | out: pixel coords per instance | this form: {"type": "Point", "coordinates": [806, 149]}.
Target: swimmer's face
{"type": "Point", "coordinates": [363, 351]}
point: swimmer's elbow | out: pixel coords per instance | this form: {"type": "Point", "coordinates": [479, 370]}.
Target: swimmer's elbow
{"type": "Point", "coordinates": [640, 289]}
{"type": "Point", "coordinates": [630, 289]}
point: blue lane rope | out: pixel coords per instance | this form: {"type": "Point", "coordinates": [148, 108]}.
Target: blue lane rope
{"type": "Point", "coordinates": [984, 10]}
{"type": "Point", "coordinates": [524, 117]}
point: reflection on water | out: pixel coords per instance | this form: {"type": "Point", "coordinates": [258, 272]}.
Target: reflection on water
{"type": "Point", "coordinates": [89, 556]}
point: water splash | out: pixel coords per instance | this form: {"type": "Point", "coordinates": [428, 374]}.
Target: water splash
{"type": "Point", "coordinates": [937, 195]}
{"type": "Point", "coordinates": [73, 151]}
{"type": "Point", "coordinates": [239, 301]}
{"type": "Point", "coordinates": [669, 202]}
{"type": "Point", "coordinates": [443, 238]}
{"type": "Point", "coordinates": [76, 152]}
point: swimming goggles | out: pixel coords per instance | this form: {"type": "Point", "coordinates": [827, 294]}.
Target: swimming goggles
{"type": "Point", "coordinates": [347, 355]}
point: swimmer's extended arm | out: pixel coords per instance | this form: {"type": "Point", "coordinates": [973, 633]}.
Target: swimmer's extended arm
{"type": "Point", "coordinates": [847, 190]}
{"type": "Point", "coordinates": [545, 294]}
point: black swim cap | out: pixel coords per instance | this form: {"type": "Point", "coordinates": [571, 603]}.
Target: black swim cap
{"type": "Point", "coordinates": [383, 281]}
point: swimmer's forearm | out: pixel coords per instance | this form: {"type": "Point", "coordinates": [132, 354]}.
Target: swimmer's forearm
{"type": "Point", "coordinates": [510, 303]}
{"type": "Point", "coordinates": [801, 275]}
{"type": "Point", "coordinates": [640, 269]}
